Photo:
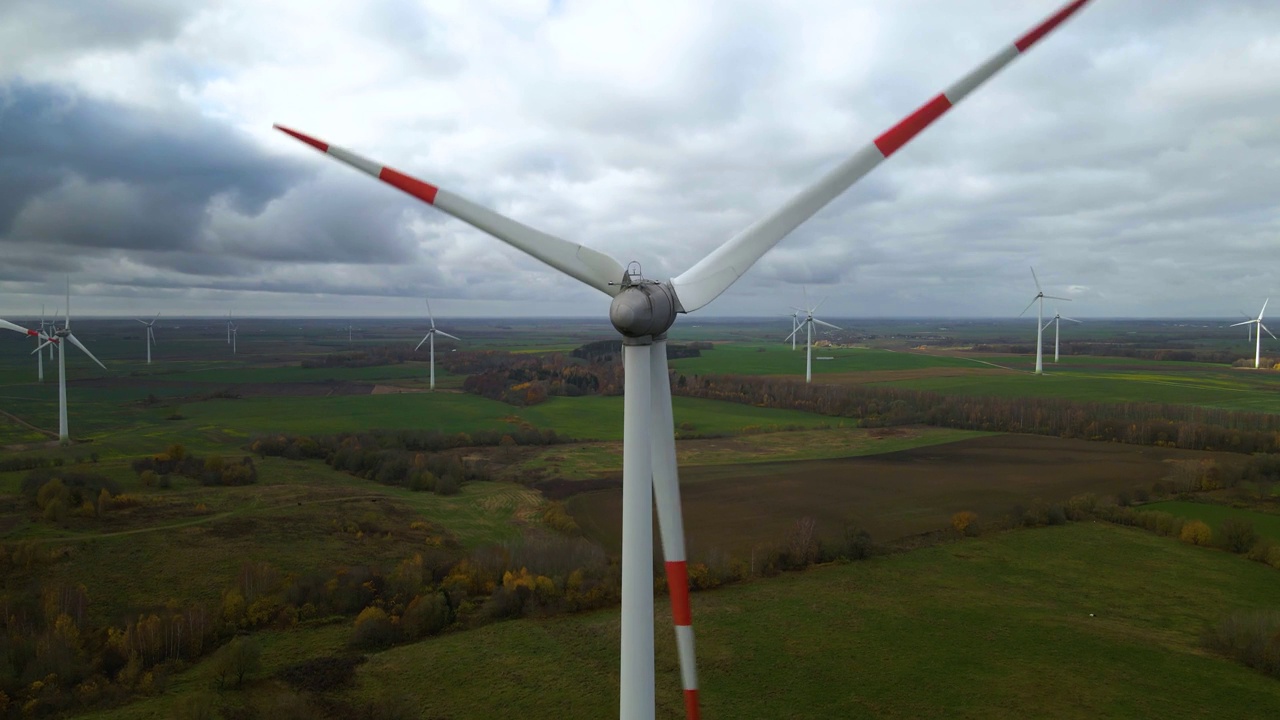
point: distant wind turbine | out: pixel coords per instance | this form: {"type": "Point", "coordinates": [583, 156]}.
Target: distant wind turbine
{"type": "Point", "coordinates": [44, 325]}
{"type": "Point", "coordinates": [807, 324]}
{"type": "Point", "coordinates": [1257, 352]}
{"type": "Point", "coordinates": [795, 325]}
{"type": "Point", "coordinates": [56, 338]}
{"type": "Point", "coordinates": [430, 339]}
{"type": "Point", "coordinates": [1247, 325]}
{"type": "Point", "coordinates": [1055, 321]}
{"type": "Point", "coordinates": [150, 334]}
{"type": "Point", "coordinates": [1040, 326]}
{"type": "Point", "coordinates": [231, 333]}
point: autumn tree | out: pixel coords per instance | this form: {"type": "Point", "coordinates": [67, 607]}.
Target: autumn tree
{"type": "Point", "coordinates": [1196, 533]}
{"type": "Point", "coordinates": [965, 522]}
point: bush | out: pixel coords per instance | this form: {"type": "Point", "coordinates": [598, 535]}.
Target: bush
{"type": "Point", "coordinates": [1251, 637]}
{"type": "Point", "coordinates": [322, 673]}
{"type": "Point", "coordinates": [373, 628]}
{"type": "Point", "coordinates": [965, 522]}
{"type": "Point", "coordinates": [1237, 535]}
{"type": "Point", "coordinates": [1196, 533]}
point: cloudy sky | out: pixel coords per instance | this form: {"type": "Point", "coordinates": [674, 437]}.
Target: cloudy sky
{"type": "Point", "coordinates": [1133, 157]}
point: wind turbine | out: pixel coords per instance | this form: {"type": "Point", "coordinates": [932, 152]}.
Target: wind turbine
{"type": "Point", "coordinates": [44, 325]}
{"type": "Point", "coordinates": [430, 339]}
{"type": "Point", "coordinates": [1040, 324]}
{"type": "Point", "coordinates": [1056, 321]}
{"type": "Point", "coordinates": [1247, 326]}
{"type": "Point", "coordinates": [56, 338]}
{"type": "Point", "coordinates": [1257, 352]}
{"type": "Point", "coordinates": [807, 324]}
{"type": "Point", "coordinates": [795, 325]}
{"type": "Point", "coordinates": [231, 333]}
{"type": "Point", "coordinates": [150, 335]}
{"type": "Point", "coordinates": [642, 310]}
{"type": "Point", "coordinates": [348, 334]}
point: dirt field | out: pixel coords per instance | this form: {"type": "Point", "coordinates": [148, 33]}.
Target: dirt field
{"type": "Point", "coordinates": [731, 508]}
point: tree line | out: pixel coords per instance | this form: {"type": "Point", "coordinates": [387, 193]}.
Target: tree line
{"type": "Point", "coordinates": [1158, 424]}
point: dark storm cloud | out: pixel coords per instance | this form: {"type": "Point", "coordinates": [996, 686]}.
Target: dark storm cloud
{"type": "Point", "coordinates": [86, 172]}
{"type": "Point", "coordinates": [81, 174]}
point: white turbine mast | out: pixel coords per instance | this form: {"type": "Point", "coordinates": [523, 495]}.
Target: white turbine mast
{"type": "Point", "coordinates": [795, 325]}
{"type": "Point", "coordinates": [642, 311]}
{"type": "Point", "coordinates": [807, 323]}
{"type": "Point", "coordinates": [1040, 324]}
{"type": "Point", "coordinates": [430, 339]}
{"type": "Point", "coordinates": [44, 325]}
{"type": "Point", "coordinates": [150, 336]}
{"type": "Point", "coordinates": [231, 333]}
{"type": "Point", "coordinates": [1248, 326]}
{"type": "Point", "coordinates": [57, 336]}
{"type": "Point", "coordinates": [1056, 321]}
{"type": "Point", "coordinates": [1257, 351]}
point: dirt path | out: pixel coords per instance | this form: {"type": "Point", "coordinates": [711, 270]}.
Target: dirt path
{"type": "Point", "coordinates": [28, 425]}
{"type": "Point", "coordinates": [205, 519]}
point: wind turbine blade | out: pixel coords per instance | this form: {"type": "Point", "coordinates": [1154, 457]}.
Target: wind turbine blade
{"type": "Point", "coordinates": [1028, 307]}
{"type": "Point", "coordinates": [42, 346]}
{"type": "Point", "coordinates": [1264, 327]}
{"type": "Point", "coordinates": [793, 332]}
{"type": "Point", "coordinates": [1055, 297]}
{"type": "Point", "coordinates": [424, 339]}
{"type": "Point", "coordinates": [590, 266]}
{"type": "Point", "coordinates": [151, 334]}
{"type": "Point", "coordinates": [820, 302]}
{"type": "Point", "coordinates": [1064, 317]}
{"type": "Point", "coordinates": [712, 275]}
{"type": "Point", "coordinates": [1250, 321]}
{"type": "Point", "coordinates": [441, 332]}
{"type": "Point", "coordinates": [429, 315]}
{"type": "Point", "coordinates": [144, 322]}
{"type": "Point", "coordinates": [67, 318]}
{"type": "Point", "coordinates": [833, 327]}
{"type": "Point", "coordinates": [17, 328]}
{"type": "Point", "coordinates": [1263, 311]}
{"type": "Point", "coordinates": [1033, 277]}
{"type": "Point", "coordinates": [1048, 324]}
{"type": "Point", "coordinates": [77, 343]}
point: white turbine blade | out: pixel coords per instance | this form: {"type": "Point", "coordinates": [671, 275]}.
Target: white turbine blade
{"type": "Point", "coordinates": [1064, 317]}
{"type": "Point", "coordinates": [820, 302]}
{"type": "Point", "coordinates": [441, 332]}
{"type": "Point", "coordinates": [1033, 277]}
{"type": "Point", "coordinates": [793, 332]}
{"type": "Point", "coordinates": [67, 319]}
{"type": "Point", "coordinates": [42, 346]}
{"type": "Point", "coordinates": [1046, 325]}
{"type": "Point", "coordinates": [1263, 311]}
{"type": "Point", "coordinates": [77, 343]}
{"type": "Point", "coordinates": [424, 338]}
{"type": "Point", "coordinates": [833, 327]}
{"type": "Point", "coordinates": [151, 334]}
{"type": "Point", "coordinates": [17, 328]}
{"type": "Point", "coordinates": [1264, 327]}
{"type": "Point", "coordinates": [1055, 297]}
{"type": "Point", "coordinates": [712, 275]}
{"type": "Point", "coordinates": [590, 266]}
{"type": "Point", "coordinates": [1028, 307]}
{"type": "Point", "coordinates": [144, 322]}
{"type": "Point", "coordinates": [429, 315]}
{"type": "Point", "coordinates": [1250, 321]}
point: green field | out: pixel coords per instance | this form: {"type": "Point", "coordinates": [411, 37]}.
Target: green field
{"type": "Point", "coordinates": [1265, 524]}
{"type": "Point", "coordinates": [779, 359]}
{"type": "Point", "coordinates": [992, 628]}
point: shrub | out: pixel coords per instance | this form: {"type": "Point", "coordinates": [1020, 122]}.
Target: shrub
{"type": "Point", "coordinates": [1251, 637]}
{"type": "Point", "coordinates": [965, 522]}
{"type": "Point", "coordinates": [322, 673]}
{"type": "Point", "coordinates": [373, 628]}
{"type": "Point", "coordinates": [1196, 533]}
{"type": "Point", "coordinates": [1237, 535]}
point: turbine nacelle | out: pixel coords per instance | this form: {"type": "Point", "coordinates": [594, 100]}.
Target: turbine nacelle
{"type": "Point", "coordinates": [644, 308]}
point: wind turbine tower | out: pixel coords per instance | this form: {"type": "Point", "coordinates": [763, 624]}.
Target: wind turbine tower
{"type": "Point", "coordinates": [1257, 351]}
{"type": "Point", "coordinates": [150, 335]}
{"type": "Point", "coordinates": [1040, 324]}
{"type": "Point", "coordinates": [808, 323]}
{"type": "Point", "coordinates": [642, 310]}
{"type": "Point", "coordinates": [60, 337]}
{"type": "Point", "coordinates": [1056, 321]}
{"type": "Point", "coordinates": [430, 339]}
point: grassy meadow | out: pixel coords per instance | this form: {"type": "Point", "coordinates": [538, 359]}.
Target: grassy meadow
{"type": "Point", "coordinates": [1079, 621]}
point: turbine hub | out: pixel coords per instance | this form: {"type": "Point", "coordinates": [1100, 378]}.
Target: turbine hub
{"type": "Point", "coordinates": [644, 308]}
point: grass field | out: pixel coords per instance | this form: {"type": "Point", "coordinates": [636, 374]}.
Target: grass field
{"type": "Point", "coordinates": [1265, 524]}
{"type": "Point", "coordinates": [779, 359]}
{"type": "Point", "coordinates": [999, 627]}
